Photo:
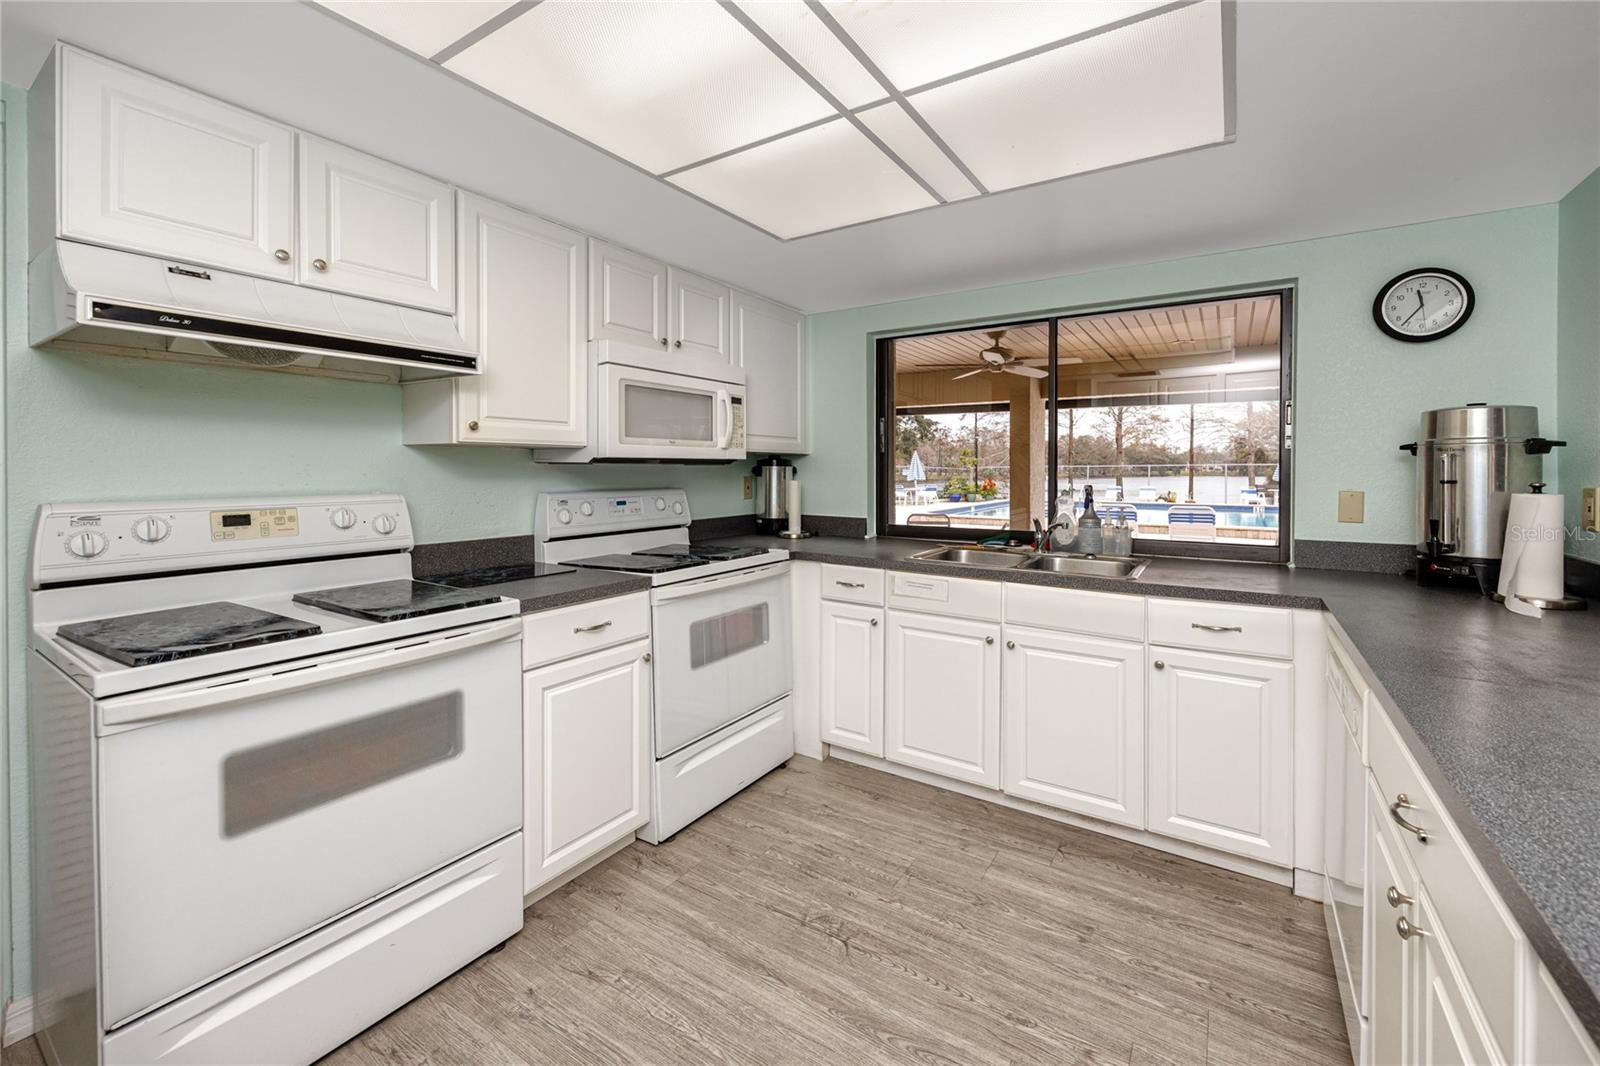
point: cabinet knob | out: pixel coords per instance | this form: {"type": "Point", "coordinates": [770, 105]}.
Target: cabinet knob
{"type": "Point", "coordinates": [320, 264]}
{"type": "Point", "coordinates": [1403, 926]}
{"type": "Point", "coordinates": [473, 425]}
{"type": "Point", "coordinates": [663, 342]}
{"type": "Point", "coordinates": [646, 656]}
{"type": "Point", "coordinates": [677, 344]}
{"type": "Point", "coordinates": [874, 621]}
{"type": "Point", "coordinates": [281, 255]}
{"type": "Point", "coordinates": [1011, 645]}
{"type": "Point", "coordinates": [1160, 665]}
{"type": "Point", "coordinates": [1397, 898]}
{"type": "Point", "coordinates": [988, 640]}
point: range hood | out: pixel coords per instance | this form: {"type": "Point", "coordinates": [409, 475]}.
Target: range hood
{"type": "Point", "coordinates": [100, 299]}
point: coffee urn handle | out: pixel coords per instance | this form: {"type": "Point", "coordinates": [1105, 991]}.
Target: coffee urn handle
{"type": "Point", "coordinates": [1412, 447]}
{"type": "Point", "coordinates": [1542, 445]}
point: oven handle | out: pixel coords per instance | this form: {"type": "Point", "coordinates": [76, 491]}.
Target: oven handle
{"type": "Point", "coordinates": [719, 583]}
{"type": "Point", "coordinates": [143, 707]}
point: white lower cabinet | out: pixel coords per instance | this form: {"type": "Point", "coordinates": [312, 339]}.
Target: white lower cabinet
{"type": "Point", "coordinates": [1447, 1031]}
{"type": "Point", "coordinates": [850, 696]}
{"type": "Point", "coordinates": [1390, 959]}
{"type": "Point", "coordinates": [586, 764]}
{"type": "Point", "coordinates": [1074, 723]}
{"type": "Point", "coordinates": [942, 696]}
{"type": "Point", "coordinates": [1221, 752]}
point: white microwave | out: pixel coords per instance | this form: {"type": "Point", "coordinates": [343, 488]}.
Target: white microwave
{"type": "Point", "coordinates": [643, 414]}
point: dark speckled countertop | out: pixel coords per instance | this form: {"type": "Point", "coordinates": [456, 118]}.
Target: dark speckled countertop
{"type": "Point", "coordinates": [552, 590]}
{"type": "Point", "coordinates": [1502, 712]}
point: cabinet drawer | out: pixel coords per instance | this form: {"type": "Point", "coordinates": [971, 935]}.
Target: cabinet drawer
{"type": "Point", "coordinates": [958, 597]}
{"type": "Point", "coordinates": [1222, 627]}
{"type": "Point", "coordinates": [550, 636]}
{"type": "Point", "coordinates": [1097, 614]}
{"type": "Point", "coordinates": [853, 584]}
{"type": "Point", "coordinates": [1483, 935]}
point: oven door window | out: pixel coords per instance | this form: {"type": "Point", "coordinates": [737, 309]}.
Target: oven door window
{"type": "Point", "coordinates": [714, 639]}
{"type": "Point", "coordinates": [656, 413]}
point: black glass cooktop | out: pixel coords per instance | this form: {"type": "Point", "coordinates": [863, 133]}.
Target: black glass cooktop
{"type": "Point", "coordinates": [183, 632]}
{"type": "Point", "coordinates": [500, 575]}
{"type": "Point", "coordinates": [638, 563]}
{"type": "Point", "coordinates": [389, 601]}
{"type": "Point", "coordinates": [709, 552]}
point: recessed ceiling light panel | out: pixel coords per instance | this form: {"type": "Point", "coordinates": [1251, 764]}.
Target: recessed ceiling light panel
{"type": "Point", "coordinates": [797, 31]}
{"type": "Point", "coordinates": [426, 28]}
{"type": "Point", "coordinates": [822, 178]}
{"type": "Point", "coordinates": [897, 129]}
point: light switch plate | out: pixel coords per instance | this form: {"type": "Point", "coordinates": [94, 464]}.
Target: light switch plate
{"type": "Point", "coordinates": [749, 487]}
{"type": "Point", "coordinates": [1591, 521]}
{"type": "Point", "coordinates": [1352, 505]}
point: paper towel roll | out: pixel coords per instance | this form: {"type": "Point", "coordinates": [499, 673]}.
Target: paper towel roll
{"type": "Point", "coordinates": [1531, 562]}
{"type": "Point", "coordinates": [794, 506]}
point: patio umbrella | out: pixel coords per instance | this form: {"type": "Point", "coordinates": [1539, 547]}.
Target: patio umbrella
{"type": "Point", "coordinates": [915, 471]}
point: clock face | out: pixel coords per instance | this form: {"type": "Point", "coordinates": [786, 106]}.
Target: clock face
{"type": "Point", "coordinates": [1423, 305]}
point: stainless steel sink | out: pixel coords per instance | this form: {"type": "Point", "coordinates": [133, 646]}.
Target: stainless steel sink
{"type": "Point", "coordinates": [969, 555]}
{"type": "Point", "coordinates": [1084, 566]}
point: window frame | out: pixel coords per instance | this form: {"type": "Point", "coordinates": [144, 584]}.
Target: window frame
{"type": "Point", "coordinates": [882, 449]}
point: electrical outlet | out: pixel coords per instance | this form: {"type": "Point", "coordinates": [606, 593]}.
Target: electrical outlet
{"type": "Point", "coordinates": [1591, 521]}
{"type": "Point", "coordinates": [1352, 505]}
{"type": "Point", "coordinates": [749, 488]}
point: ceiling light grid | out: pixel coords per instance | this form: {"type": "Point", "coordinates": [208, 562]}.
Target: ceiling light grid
{"type": "Point", "coordinates": [804, 116]}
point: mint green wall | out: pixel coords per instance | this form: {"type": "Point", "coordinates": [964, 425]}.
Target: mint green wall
{"type": "Point", "coordinates": [1358, 394]}
{"type": "Point", "coordinates": [1579, 344]}
{"type": "Point", "coordinates": [86, 427]}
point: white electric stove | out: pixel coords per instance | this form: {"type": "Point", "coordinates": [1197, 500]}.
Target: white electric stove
{"type": "Point", "coordinates": [720, 622]}
{"type": "Point", "coordinates": [244, 716]}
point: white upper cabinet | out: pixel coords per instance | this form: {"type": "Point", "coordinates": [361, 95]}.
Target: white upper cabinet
{"type": "Point", "coordinates": [851, 693]}
{"type": "Point", "coordinates": [370, 228]}
{"type": "Point", "coordinates": [522, 285]}
{"type": "Point", "coordinates": [1222, 752]}
{"type": "Point", "coordinates": [942, 696]}
{"type": "Point", "coordinates": [698, 319]}
{"type": "Point", "coordinates": [769, 343]}
{"type": "Point", "coordinates": [627, 296]}
{"type": "Point", "coordinates": [148, 166]}
{"type": "Point", "coordinates": [1074, 723]}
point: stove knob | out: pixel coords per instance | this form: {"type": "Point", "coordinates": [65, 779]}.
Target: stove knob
{"type": "Point", "coordinates": [342, 518]}
{"type": "Point", "coordinates": [152, 530]}
{"type": "Point", "coordinates": [87, 544]}
{"type": "Point", "coordinates": [587, 508]}
{"type": "Point", "coordinates": [677, 508]}
{"type": "Point", "coordinates": [384, 524]}
{"type": "Point", "coordinates": [564, 516]}
{"type": "Point", "coordinates": [661, 505]}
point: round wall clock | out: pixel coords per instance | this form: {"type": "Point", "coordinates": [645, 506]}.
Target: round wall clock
{"type": "Point", "coordinates": [1423, 304]}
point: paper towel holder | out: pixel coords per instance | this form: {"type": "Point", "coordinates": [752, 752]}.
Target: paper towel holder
{"type": "Point", "coordinates": [1565, 603]}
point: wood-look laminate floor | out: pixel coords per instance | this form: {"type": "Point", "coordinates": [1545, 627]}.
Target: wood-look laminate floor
{"type": "Point", "coordinates": [835, 914]}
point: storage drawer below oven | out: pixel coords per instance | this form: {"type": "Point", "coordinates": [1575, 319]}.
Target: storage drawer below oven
{"type": "Point", "coordinates": [689, 783]}
{"type": "Point", "coordinates": [306, 999]}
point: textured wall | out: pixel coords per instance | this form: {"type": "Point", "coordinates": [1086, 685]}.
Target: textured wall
{"type": "Point", "coordinates": [1358, 393]}
{"type": "Point", "coordinates": [1579, 345]}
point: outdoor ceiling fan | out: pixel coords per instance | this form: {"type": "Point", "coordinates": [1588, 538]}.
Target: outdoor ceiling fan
{"type": "Point", "coordinates": [998, 359]}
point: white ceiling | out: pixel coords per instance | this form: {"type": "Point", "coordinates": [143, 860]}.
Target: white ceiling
{"type": "Point", "coordinates": [724, 99]}
{"type": "Point", "coordinates": [1349, 116]}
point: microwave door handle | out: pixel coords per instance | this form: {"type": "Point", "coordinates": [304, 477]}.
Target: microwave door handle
{"type": "Point", "coordinates": [725, 406]}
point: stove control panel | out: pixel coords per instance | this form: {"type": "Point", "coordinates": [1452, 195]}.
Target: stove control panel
{"type": "Point", "coordinates": [559, 515]}
{"type": "Point", "coordinates": [75, 542]}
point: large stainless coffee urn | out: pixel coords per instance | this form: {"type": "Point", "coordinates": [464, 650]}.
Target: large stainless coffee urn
{"type": "Point", "coordinates": [772, 493]}
{"type": "Point", "coordinates": [1469, 461]}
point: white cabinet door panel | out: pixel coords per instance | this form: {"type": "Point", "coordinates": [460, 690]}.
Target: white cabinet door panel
{"type": "Point", "coordinates": [627, 296]}
{"type": "Point", "coordinates": [852, 677]}
{"type": "Point", "coordinates": [586, 757]}
{"type": "Point", "coordinates": [1390, 961]}
{"type": "Point", "coordinates": [769, 343]}
{"type": "Point", "coordinates": [523, 292]}
{"type": "Point", "coordinates": [1074, 723]}
{"type": "Point", "coordinates": [698, 323]}
{"type": "Point", "coordinates": [1222, 752]}
{"type": "Point", "coordinates": [151, 167]}
{"type": "Point", "coordinates": [942, 699]}
{"type": "Point", "coordinates": [370, 228]}
{"type": "Point", "coordinates": [1447, 1029]}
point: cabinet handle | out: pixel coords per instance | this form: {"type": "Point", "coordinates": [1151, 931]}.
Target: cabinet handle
{"type": "Point", "coordinates": [1403, 926]}
{"type": "Point", "coordinates": [320, 264]}
{"type": "Point", "coordinates": [1402, 802]}
{"type": "Point", "coordinates": [473, 425]}
{"type": "Point", "coordinates": [597, 627]}
{"type": "Point", "coordinates": [851, 584]}
{"type": "Point", "coordinates": [1397, 898]}
{"type": "Point", "coordinates": [874, 621]}
{"type": "Point", "coordinates": [281, 255]}
{"type": "Point", "coordinates": [677, 344]}
{"type": "Point", "coordinates": [1160, 665]}
{"type": "Point", "coordinates": [988, 640]}
{"type": "Point", "coordinates": [646, 656]}
{"type": "Point", "coordinates": [1216, 629]}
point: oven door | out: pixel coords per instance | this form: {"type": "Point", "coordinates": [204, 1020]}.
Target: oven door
{"type": "Point", "coordinates": [235, 818]}
{"type": "Point", "coordinates": [722, 651]}
{"type": "Point", "coordinates": [647, 414]}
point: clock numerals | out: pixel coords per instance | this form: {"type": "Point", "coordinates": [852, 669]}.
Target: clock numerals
{"type": "Point", "coordinates": [1423, 305]}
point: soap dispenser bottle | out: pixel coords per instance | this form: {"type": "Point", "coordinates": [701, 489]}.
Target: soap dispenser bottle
{"type": "Point", "coordinates": [1091, 539]}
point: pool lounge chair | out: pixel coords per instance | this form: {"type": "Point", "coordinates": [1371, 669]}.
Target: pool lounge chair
{"type": "Point", "coordinates": [1191, 522]}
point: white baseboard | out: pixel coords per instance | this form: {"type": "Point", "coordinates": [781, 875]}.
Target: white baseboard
{"type": "Point", "coordinates": [18, 1021]}
{"type": "Point", "coordinates": [1278, 875]}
